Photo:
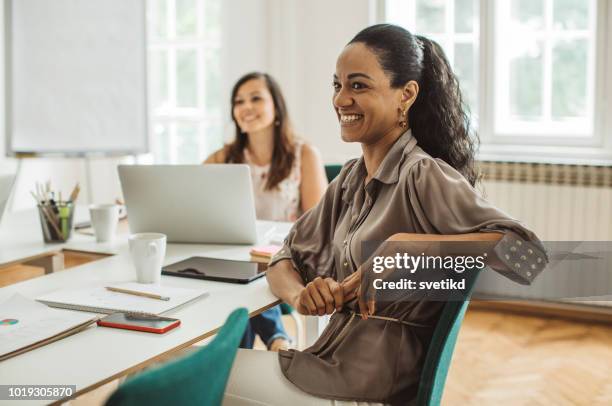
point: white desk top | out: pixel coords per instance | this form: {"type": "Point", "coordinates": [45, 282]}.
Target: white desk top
{"type": "Point", "coordinates": [98, 354]}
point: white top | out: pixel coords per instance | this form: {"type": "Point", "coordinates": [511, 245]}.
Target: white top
{"type": "Point", "coordinates": [283, 203]}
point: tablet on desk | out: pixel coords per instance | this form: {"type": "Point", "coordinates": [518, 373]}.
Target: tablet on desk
{"type": "Point", "coordinates": [223, 270]}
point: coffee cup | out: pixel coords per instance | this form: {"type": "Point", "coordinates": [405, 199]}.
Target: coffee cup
{"type": "Point", "coordinates": [104, 219]}
{"type": "Point", "coordinates": [148, 251]}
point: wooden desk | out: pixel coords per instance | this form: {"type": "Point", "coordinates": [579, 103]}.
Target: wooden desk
{"type": "Point", "coordinates": [99, 355]}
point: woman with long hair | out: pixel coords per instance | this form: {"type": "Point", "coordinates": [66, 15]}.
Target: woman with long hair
{"type": "Point", "coordinates": [287, 173]}
{"type": "Point", "coordinates": [395, 94]}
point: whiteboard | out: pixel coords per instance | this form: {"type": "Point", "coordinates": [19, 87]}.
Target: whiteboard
{"type": "Point", "coordinates": [75, 76]}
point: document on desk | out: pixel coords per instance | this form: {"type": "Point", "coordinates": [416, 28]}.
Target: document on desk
{"type": "Point", "coordinates": [101, 300]}
{"type": "Point", "coordinates": [26, 324]}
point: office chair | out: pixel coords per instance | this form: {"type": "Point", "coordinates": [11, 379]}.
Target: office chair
{"type": "Point", "coordinates": [332, 170]}
{"type": "Point", "coordinates": [440, 352]}
{"type": "Point", "coordinates": [199, 378]}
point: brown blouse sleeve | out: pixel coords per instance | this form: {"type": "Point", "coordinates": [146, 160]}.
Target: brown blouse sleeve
{"type": "Point", "coordinates": [445, 203]}
{"type": "Point", "coordinates": [309, 242]}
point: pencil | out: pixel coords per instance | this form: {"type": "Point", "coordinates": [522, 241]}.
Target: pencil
{"type": "Point", "coordinates": [75, 193]}
{"type": "Point", "coordinates": [137, 293]}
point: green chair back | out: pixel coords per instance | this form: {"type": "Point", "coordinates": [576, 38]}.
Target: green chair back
{"type": "Point", "coordinates": [196, 379]}
{"type": "Point", "coordinates": [286, 308]}
{"type": "Point", "coordinates": [440, 352]}
{"type": "Point", "coordinates": [331, 171]}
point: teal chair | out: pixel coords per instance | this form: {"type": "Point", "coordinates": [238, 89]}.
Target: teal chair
{"type": "Point", "coordinates": [331, 171]}
{"type": "Point", "coordinates": [442, 345]}
{"type": "Point", "coordinates": [196, 379]}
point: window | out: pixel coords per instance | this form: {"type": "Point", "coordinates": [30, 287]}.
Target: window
{"type": "Point", "coordinates": [531, 70]}
{"type": "Point", "coordinates": [184, 79]}
{"type": "Point", "coordinates": [454, 25]}
{"type": "Point", "coordinates": [545, 67]}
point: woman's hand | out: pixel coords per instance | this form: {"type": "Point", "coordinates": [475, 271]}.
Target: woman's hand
{"type": "Point", "coordinates": [319, 297]}
{"type": "Point", "coordinates": [352, 288]}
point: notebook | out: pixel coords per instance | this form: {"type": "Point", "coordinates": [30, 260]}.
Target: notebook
{"type": "Point", "coordinates": [101, 300]}
{"type": "Point", "coordinates": [26, 325]}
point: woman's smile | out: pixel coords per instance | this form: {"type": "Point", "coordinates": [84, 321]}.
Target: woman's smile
{"type": "Point", "coordinates": [348, 120]}
{"type": "Point", "coordinates": [248, 118]}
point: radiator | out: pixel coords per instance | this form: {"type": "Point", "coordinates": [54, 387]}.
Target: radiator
{"type": "Point", "coordinates": [559, 203]}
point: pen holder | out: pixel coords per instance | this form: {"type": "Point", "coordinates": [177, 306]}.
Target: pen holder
{"type": "Point", "coordinates": [56, 221]}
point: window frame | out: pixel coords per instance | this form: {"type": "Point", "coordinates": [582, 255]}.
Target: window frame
{"type": "Point", "coordinates": [451, 38]}
{"type": "Point", "coordinates": [536, 138]}
{"type": "Point", "coordinates": [595, 149]}
{"type": "Point", "coordinates": [173, 116]}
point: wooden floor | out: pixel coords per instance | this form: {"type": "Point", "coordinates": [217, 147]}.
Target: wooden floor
{"type": "Point", "coordinates": [504, 359]}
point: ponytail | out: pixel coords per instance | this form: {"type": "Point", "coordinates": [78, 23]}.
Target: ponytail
{"type": "Point", "coordinates": [439, 117]}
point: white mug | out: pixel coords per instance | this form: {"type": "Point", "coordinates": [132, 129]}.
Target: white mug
{"type": "Point", "coordinates": [148, 251]}
{"type": "Point", "coordinates": [104, 219]}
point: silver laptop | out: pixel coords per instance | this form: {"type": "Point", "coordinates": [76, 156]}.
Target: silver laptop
{"type": "Point", "coordinates": [191, 203]}
{"type": "Point", "coordinates": [6, 184]}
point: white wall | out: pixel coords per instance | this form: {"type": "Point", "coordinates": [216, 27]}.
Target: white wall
{"type": "Point", "coordinates": [305, 38]}
{"type": "Point", "coordinates": [3, 163]}
{"type": "Point", "coordinates": [245, 38]}
{"type": "Point", "coordinates": [296, 41]}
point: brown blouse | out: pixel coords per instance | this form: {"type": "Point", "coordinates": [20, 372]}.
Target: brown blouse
{"type": "Point", "coordinates": [380, 360]}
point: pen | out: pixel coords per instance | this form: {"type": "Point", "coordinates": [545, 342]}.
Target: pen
{"type": "Point", "coordinates": [136, 293]}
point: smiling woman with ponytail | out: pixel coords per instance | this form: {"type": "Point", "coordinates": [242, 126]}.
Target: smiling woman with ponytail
{"type": "Point", "coordinates": [438, 118]}
{"type": "Point", "coordinates": [396, 95]}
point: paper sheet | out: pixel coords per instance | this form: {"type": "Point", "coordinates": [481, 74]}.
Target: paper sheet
{"type": "Point", "coordinates": [101, 300]}
{"type": "Point", "coordinates": [35, 322]}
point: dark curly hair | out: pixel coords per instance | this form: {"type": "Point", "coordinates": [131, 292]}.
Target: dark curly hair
{"type": "Point", "coordinates": [439, 118]}
{"type": "Point", "coordinates": [283, 154]}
